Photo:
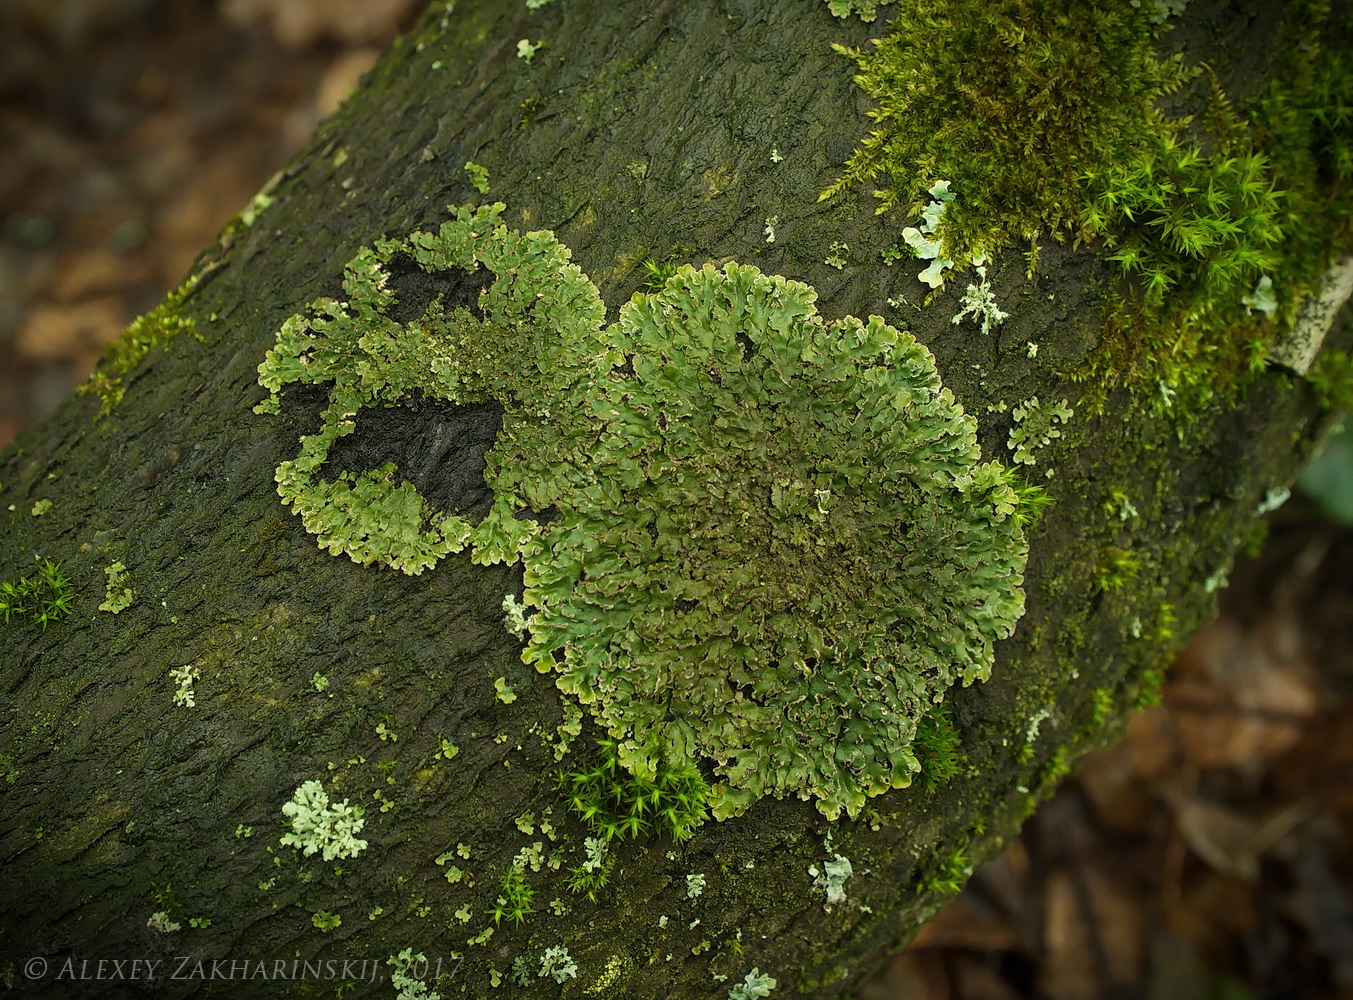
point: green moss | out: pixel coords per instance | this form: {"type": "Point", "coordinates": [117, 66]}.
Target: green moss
{"type": "Point", "coordinates": [1331, 378]}
{"type": "Point", "coordinates": [515, 901]}
{"type": "Point", "coordinates": [775, 548]}
{"type": "Point", "coordinates": [618, 804]}
{"type": "Point", "coordinates": [1221, 227]}
{"type": "Point", "coordinates": [947, 874]}
{"type": "Point", "coordinates": [938, 749]}
{"type": "Point", "coordinates": [1008, 103]}
{"type": "Point", "coordinates": [1117, 567]}
{"type": "Point", "coordinates": [1101, 706]}
{"type": "Point", "coordinates": [1150, 686]}
{"type": "Point", "coordinates": [42, 596]}
{"type": "Point", "coordinates": [155, 329]}
{"type": "Point", "coordinates": [589, 877]}
{"type": "Point", "coordinates": [1055, 769]}
{"type": "Point", "coordinates": [657, 274]}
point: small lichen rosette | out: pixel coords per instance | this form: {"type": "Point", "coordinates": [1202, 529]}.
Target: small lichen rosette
{"type": "Point", "coordinates": [535, 324]}
{"type": "Point", "coordinates": [782, 551]}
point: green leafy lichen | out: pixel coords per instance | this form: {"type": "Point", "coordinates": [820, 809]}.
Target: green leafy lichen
{"type": "Point", "coordinates": [772, 504]}
{"type": "Point", "coordinates": [924, 241]}
{"type": "Point", "coordinates": [832, 879]}
{"type": "Point", "coordinates": [752, 987]}
{"type": "Point", "coordinates": [979, 302]}
{"type": "Point", "coordinates": [541, 316]}
{"type": "Point", "coordinates": [325, 920]}
{"type": "Point", "coordinates": [557, 964]}
{"type": "Point", "coordinates": [479, 176]}
{"type": "Point", "coordinates": [773, 544]}
{"type": "Point", "coordinates": [406, 975]}
{"type": "Point", "coordinates": [867, 10]}
{"type": "Point", "coordinates": [1036, 426]}
{"type": "Point", "coordinates": [118, 593]}
{"type": "Point", "coordinates": [184, 677]}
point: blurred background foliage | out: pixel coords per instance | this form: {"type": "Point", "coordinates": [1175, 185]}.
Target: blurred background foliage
{"type": "Point", "coordinates": [1328, 480]}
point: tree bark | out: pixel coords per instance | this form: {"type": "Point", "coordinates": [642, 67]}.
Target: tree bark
{"type": "Point", "coordinates": [636, 132]}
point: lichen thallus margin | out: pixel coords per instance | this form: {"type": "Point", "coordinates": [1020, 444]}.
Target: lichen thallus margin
{"type": "Point", "coordinates": [776, 545]}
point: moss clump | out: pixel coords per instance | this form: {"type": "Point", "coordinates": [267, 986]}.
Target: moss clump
{"type": "Point", "coordinates": [618, 804]}
{"type": "Point", "coordinates": [516, 898]}
{"type": "Point", "coordinates": [1229, 238]}
{"type": "Point", "coordinates": [1044, 116]}
{"type": "Point", "coordinates": [156, 328]}
{"type": "Point", "coordinates": [1009, 103]}
{"type": "Point", "coordinates": [42, 596]}
{"type": "Point", "coordinates": [938, 748]}
{"type": "Point", "coordinates": [947, 875]}
{"type": "Point", "coordinates": [773, 545]}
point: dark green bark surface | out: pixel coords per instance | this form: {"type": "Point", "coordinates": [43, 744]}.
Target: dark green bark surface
{"type": "Point", "coordinates": [639, 131]}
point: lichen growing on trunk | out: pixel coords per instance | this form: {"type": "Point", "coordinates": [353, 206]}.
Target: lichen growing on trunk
{"type": "Point", "coordinates": [772, 542]}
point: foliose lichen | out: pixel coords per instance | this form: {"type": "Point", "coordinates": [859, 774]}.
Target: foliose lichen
{"type": "Point", "coordinates": [1036, 426]}
{"type": "Point", "coordinates": [317, 825]}
{"type": "Point", "coordinates": [773, 504]}
{"type": "Point", "coordinates": [159, 921]}
{"type": "Point", "coordinates": [979, 302]}
{"type": "Point", "coordinates": [406, 970]}
{"type": "Point", "coordinates": [925, 241]}
{"type": "Point", "coordinates": [773, 544]}
{"type": "Point", "coordinates": [184, 677]}
{"type": "Point", "coordinates": [540, 313]}
{"type": "Point", "coordinates": [753, 986]}
{"type": "Point", "coordinates": [557, 964]}
{"type": "Point", "coordinates": [118, 592]}
{"type": "Point", "coordinates": [832, 879]}
{"type": "Point", "coordinates": [867, 10]}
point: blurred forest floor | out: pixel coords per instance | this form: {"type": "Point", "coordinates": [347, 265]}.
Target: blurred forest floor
{"type": "Point", "coordinates": [1205, 856]}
